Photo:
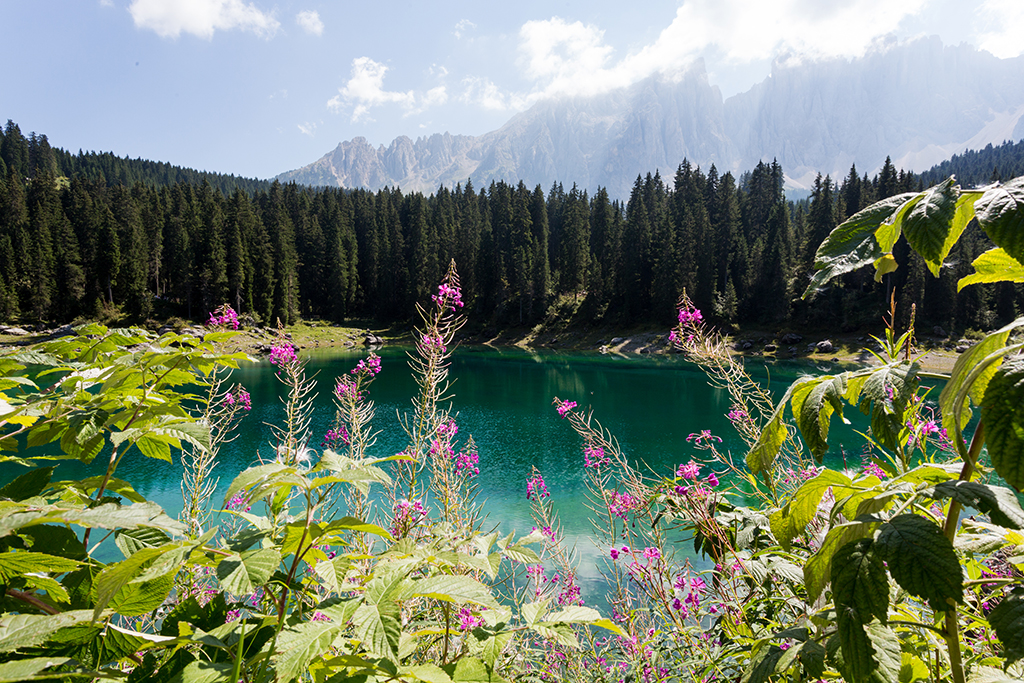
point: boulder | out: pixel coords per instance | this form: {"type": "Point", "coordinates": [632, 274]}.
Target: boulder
{"type": "Point", "coordinates": [769, 348]}
{"type": "Point", "coordinates": [791, 338]}
{"type": "Point", "coordinates": [13, 331]}
{"type": "Point", "coordinates": [939, 332]}
{"type": "Point", "coordinates": [824, 346]}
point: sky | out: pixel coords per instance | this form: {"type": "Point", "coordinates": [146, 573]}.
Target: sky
{"type": "Point", "coordinates": [260, 87]}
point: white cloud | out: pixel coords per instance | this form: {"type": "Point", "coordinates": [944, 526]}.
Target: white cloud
{"type": "Point", "coordinates": [573, 58]}
{"type": "Point", "coordinates": [1005, 23]}
{"type": "Point", "coordinates": [310, 22]}
{"type": "Point", "coordinates": [365, 89]}
{"type": "Point", "coordinates": [307, 128]}
{"type": "Point", "coordinates": [483, 92]}
{"type": "Point", "coordinates": [106, 3]}
{"type": "Point", "coordinates": [171, 18]}
{"type": "Point", "coordinates": [463, 26]}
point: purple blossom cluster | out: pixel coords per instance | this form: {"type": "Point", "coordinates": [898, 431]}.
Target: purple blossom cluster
{"type": "Point", "coordinates": [448, 297]}
{"type": "Point", "coordinates": [468, 461]}
{"type": "Point", "coordinates": [224, 316]}
{"type": "Point", "coordinates": [738, 415]}
{"type": "Point", "coordinates": [535, 487]}
{"type": "Point", "coordinates": [433, 341]}
{"type": "Point", "coordinates": [690, 316]}
{"type": "Point", "coordinates": [242, 398]}
{"type": "Point", "coordinates": [239, 501]}
{"type": "Point", "coordinates": [345, 389]}
{"type": "Point", "coordinates": [282, 355]}
{"type": "Point", "coordinates": [620, 504]}
{"type": "Point", "coordinates": [564, 407]}
{"type": "Point", "coordinates": [371, 365]}
{"type": "Point", "coordinates": [334, 437]}
{"type": "Point", "coordinates": [407, 515]}
{"type": "Point", "coordinates": [594, 457]}
{"type": "Point", "coordinates": [469, 621]}
{"type": "Point", "coordinates": [703, 439]}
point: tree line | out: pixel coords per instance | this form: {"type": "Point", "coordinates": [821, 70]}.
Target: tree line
{"type": "Point", "coordinates": [74, 245]}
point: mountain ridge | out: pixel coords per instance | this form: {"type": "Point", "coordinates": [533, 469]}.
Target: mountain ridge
{"type": "Point", "coordinates": [813, 117]}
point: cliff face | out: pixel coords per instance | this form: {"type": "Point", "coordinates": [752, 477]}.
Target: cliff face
{"type": "Point", "coordinates": [919, 102]}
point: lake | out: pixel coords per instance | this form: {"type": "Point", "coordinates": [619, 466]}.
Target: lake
{"type": "Point", "coordinates": [503, 399]}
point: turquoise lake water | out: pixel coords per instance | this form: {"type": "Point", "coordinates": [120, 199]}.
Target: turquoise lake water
{"type": "Point", "coordinates": [503, 399]}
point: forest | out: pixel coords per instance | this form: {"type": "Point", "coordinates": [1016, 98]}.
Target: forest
{"type": "Point", "coordinates": [91, 236]}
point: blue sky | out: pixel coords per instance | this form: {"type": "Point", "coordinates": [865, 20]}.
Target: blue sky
{"type": "Point", "coordinates": [257, 87]}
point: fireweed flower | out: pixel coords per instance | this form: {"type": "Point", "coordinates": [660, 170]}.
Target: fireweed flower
{"type": "Point", "coordinates": [564, 407]}
{"type": "Point", "coordinates": [429, 341]}
{"type": "Point", "coordinates": [620, 504]}
{"type": "Point", "coordinates": [224, 316]}
{"type": "Point", "coordinates": [448, 297]}
{"type": "Point", "coordinates": [371, 365]}
{"type": "Point", "coordinates": [737, 415]}
{"type": "Point", "coordinates": [593, 456]}
{"type": "Point", "coordinates": [712, 480]}
{"type": "Point", "coordinates": [703, 439]}
{"type": "Point", "coordinates": [468, 621]}
{"type": "Point", "coordinates": [874, 469]}
{"type": "Point", "coordinates": [535, 487]}
{"type": "Point", "coordinates": [407, 515]}
{"type": "Point", "coordinates": [346, 388]}
{"type": "Point", "coordinates": [468, 461]}
{"type": "Point", "coordinates": [690, 316]}
{"type": "Point", "coordinates": [652, 553]}
{"type": "Point", "coordinates": [690, 470]}
{"type": "Point", "coordinates": [282, 355]}
{"type": "Point", "coordinates": [333, 437]}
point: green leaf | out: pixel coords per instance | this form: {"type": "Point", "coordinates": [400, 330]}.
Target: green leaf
{"type": "Point", "coordinates": [1008, 621]}
{"type": "Point", "coordinates": [1000, 213]}
{"type": "Point", "coordinates": [131, 541]}
{"type": "Point", "coordinates": [790, 521]}
{"type": "Point", "coordinates": [241, 574]}
{"type": "Point", "coordinates": [971, 375]}
{"type": "Point", "coordinates": [818, 569]}
{"type": "Point", "coordinates": [762, 664]}
{"type": "Point", "coordinates": [491, 647]}
{"type": "Point", "coordinates": [987, 674]}
{"type": "Point", "coordinates": [994, 265]}
{"type": "Point", "coordinates": [922, 560]}
{"type": "Point", "coordinates": [107, 516]}
{"type": "Point", "coordinates": [28, 485]}
{"type": "Point", "coordinates": [252, 476]}
{"type": "Point", "coordinates": [812, 656]}
{"type": "Point", "coordinates": [900, 380]}
{"type": "Point", "coordinates": [116, 577]}
{"type": "Point", "coordinates": [472, 670]}
{"type": "Point", "coordinates": [762, 455]}
{"type": "Point", "coordinates": [298, 646]}
{"type": "Point", "coordinates": [378, 630]}
{"type": "Point", "coordinates": [458, 589]}
{"type": "Point", "coordinates": [205, 672]}
{"type": "Point", "coordinates": [853, 244]}
{"type": "Point", "coordinates": [813, 404]}
{"type": "Point", "coordinates": [860, 587]}
{"type": "Point", "coordinates": [27, 669]}
{"type": "Point", "coordinates": [891, 228]}
{"type": "Point", "coordinates": [870, 654]}
{"type": "Point", "coordinates": [19, 631]}
{"type": "Point", "coordinates": [13, 564]}
{"type": "Point", "coordinates": [1004, 421]}
{"type": "Point", "coordinates": [998, 502]}
{"type": "Point", "coordinates": [929, 224]}
{"type": "Point", "coordinates": [913, 669]}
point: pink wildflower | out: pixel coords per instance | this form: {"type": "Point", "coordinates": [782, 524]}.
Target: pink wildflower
{"type": "Point", "coordinates": [690, 470]}
{"type": "Point", "coordinates": [593, 456]}
{"type": "Point", "coordinates": [564, 407]}
{"type": "Point", "coordinates": [282, 355]}
{"type": "Point", "coordinates": [535, 487]}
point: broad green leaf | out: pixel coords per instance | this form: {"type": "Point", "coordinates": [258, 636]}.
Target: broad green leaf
{"type": "Point", "coordinates": [922, 560]}
{"type": "Point", "coordinates": [205, 672]}
{"type": "Point", "coordinates": [533, 611]}
{"type": "Point", "coordinates": [884, 265]}
{"type": "Point", "coordinates": [428, 673]}
{"type": "Point", "coordinates": [818, 569]}
{"type": "Point", "coordinates": [19, 631]}
{"type": "Point", "coordinates": [812, 656]}
{"type": "Point", "coordinates": [870, 654]}
{"type": "Point", "coordinates": [971, 374]}
{"type": "Point", "coordinates": [378, 630]}
{"type": "Point", "coordinates": [356, 524]}
{"type": "Point", "coordinates": [994, 265]}
{"type": "Point", "coordinates": [885, 397]}
{"type": "Point", "coordinates": [988, 674]}
{"type": "Point", "coordinates": [859, 583]}
{"type": "Point", "coordinates": [490, 648]}
{"type": "Point", "coordinates": [790, 521]}
{"type": "Point", "coordinates": [1004, 421]}
{"type": "Point", "coordinates": [891, 228]}
{"type": "Point", "coordinates": [472, 670]}
{"type": "Point", "coordinates": [332, 572]}
{"type": "Point", "coordinates": [458, 589]}
{"type": "Point", "coordinates": [1008, 621]}
{"type": "Point", "coordinates": [241, 574]}
{"type": "Point", "coordinates": [13, 564]}
{"type": "Point", "coordinates": [998, 502]}
{"type": "Point", "coordinates": [928, 225]}
{"type": "Point", "coordinates": [107, 516]}
{"type": "Point", "coordinates": [299, 645]}
{"type": "Point", "coordinates": [574, 615]}
{"type": "Point", "coordinates": [913, 669]}
{"type": "Point", "coordinates": [813, 403]}
{"type": "Point", "coordinates": [762, 665]}
{"type": "Point", "coordinates": [252, 476]}
{"type": "Point", "coordinates": [131, 541]}
{"type": "Point", "coordinates": [562, 634]}
{"type": "Point", "coordinates": [1000, 213]}
{"type": "Point", "coordinates": [28, 485]}
{"type": "Point", "coordinates": [760, 458]}
{"type": "Point", "coordinates": [28, 669]}
{"type": "Point", "coordinates": [852, 244]}
{"type": "Point", "coordinates": [116, 577]}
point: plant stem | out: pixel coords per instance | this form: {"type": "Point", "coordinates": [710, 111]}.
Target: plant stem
{"type": "Point", "coordinates": [952, 632]}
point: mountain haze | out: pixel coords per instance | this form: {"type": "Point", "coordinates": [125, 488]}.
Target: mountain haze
{"type": "Point", "coordinates": [919, 102]}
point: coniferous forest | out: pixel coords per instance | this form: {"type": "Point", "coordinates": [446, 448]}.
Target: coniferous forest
{"type": "Point", "coordinates": [88, 234]}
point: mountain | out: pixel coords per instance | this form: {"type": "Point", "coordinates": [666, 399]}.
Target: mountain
{"type": "Point", "coordinates": [918, 102]}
